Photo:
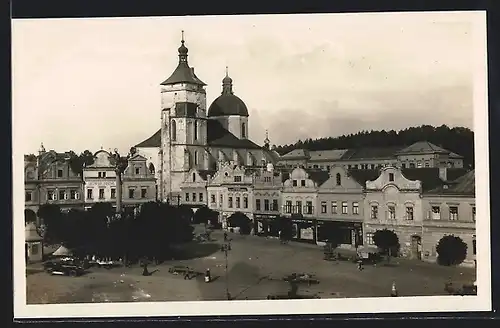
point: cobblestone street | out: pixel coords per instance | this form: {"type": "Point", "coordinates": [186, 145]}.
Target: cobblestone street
{"type": "Point", "coordinates": [256, 268]}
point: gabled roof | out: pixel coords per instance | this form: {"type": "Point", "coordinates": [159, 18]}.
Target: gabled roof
{"type": "Point", "coordinates": [334, 154]}
{"type": "Point", "coordinates": [318, 176]}
{"type": "Point", "coordinates": [429, 176]}
{"type": "Point", "coordinates": [296, 154]}
{"type": "Point", "coordinates": [370, 153]}
{"type": "Point", "coordinates": [220, 137]}
{"type": "Point", "coordinates": [153, 141]}
{"type": "Point", "coordinates": [422, 147]}
{"type": "Point", "coordinates": [137, 157]}
{"type": "Point", "coordinates": [361, 176]}
{"type": "Point", "coordinates": [464, 185]}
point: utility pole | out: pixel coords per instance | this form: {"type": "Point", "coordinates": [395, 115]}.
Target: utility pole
{"type": "Point", "coordinates": [226, 248]}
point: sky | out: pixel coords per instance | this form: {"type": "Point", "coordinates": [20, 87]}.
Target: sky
{"type": "Point", "coordinates": [90, 83]}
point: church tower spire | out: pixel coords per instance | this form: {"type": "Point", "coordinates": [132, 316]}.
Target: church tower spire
{"type": "Point", "coordinates": [183, 50]}
{"type": "Point", "coordinates": [227, 84]}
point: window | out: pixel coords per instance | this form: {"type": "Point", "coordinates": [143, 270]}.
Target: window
{"type": "Point", "coordinates": [62, 194]}
{"type": "Point", "coordinates": [144, 192]}
{"type": "Point", "coordinates": [113, 193]}
{"type": "Point", "coordinates": [173, 131]}
{"type": "Point", "coordinates": [137, 170]}
{"type": "Point", "coordinates": [302, 183]}
{"type": "Point", "coordinates": [237, 178]}
{"type": "Point", "coordinates": [245, 202]}
{"type": "Point", "coordinates": [27, 196]}
{"type": "Point", "coordinates": [419, 164]}
{"type": "Point", "coordinates": [73, 194]}
{"type": "Point", "coordinates": [323, 207]}
{"type": "Point", "coordinates": [230, 202]}
{"type": "Point", "coordinates": [412, 165]}
{"type": "Point", "coordinates": [187, 197]}
{"type": "Point", "coordinates": [195, 130]}
{"type": "Point", "coordinates": [355, 208]}
{"type": "Point", "coordinates": [59, 173]}
{"type": "Point", "coordinates": [131, 193]}
{"type": "Point", "coordinates": [34, 249]}
{"type": "Point", "coordinates": [257, 204]}
{"type": "Point", "coordinates": [436, 213]}
{"type": "Point", "coordinates": [221, 200]}
{"type": "Point", "coordinates": [334, 207]}
{"type": "Point", "coordinates": [474, 245]}
{"type": "Point", "coordinates": [238, 204]}
{"type": "Point", "coordinates": [288, 206]}
{"type": "Point", "coordinates": [298, 207]}
{"type": "Point", "coordinates": [391, 177]}
{"type": "Point", "coordinates": [427, 164]}
{"type": "Point", "coordinates": [372, 166]}
{"type": "Point", "coordinates": [369, 238]}
{"type": "Point", "coordinates": [474, 213]}
{"type": "Point", "coordinates": [309, 207]}
{"type": "Point", "coordinates": [243, 131]}
{"type": "Point", "coordinates": [275, 205]}
{"type": "Point", "coordinates": [266, 204]}
{"type": "Point", "coordinates": [344, 207]}
{"type": "Point", "coordinates": [200, 197]}
{"type": "Point", "coordinates": [374, 212]}
{"type": "Point", "coordinates": [409, 213]}
{"type": "Point", "coordinates": [195, 157]}
{"type": "Point", "coordinates": [392, 212]}
{"type": "Point", "coordinates": [194, 197]}
{"type": "Point", "coordinates": [294, 183]}
{"type": "Point", "coordinates": [212, 199]}
{"type": "Point", "coordinates": [267, 179]}
{"type": "Point", "coordinates": [328, 167]}
{"type": "Point", "coordinates": [453, 213]}
{"type": "Point", "coordinates": [99, 174]}
{"type": "Point", "coordinates": [194, 177]}
{"type": "Point", "coordinates": [339, 179]}
{"type": "Point", "coordinates": [403, 166]}
{"type": "Point", "coordinates": [349, 166]}
{"type": "Point", "coordinates": [90, 194]}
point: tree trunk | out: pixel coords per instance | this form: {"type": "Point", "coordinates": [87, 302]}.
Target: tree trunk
{"type": "Point", "coordinates": [118, 192]}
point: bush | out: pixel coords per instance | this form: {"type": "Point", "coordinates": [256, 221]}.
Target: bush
{"type": "Point", "coordinates": [387, 241]}
{"type": "Point", "coordinates": [241, 221]}
{"type": "Point", "coordinates": [451, 250]}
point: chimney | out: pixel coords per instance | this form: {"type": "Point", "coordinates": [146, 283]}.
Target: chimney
{"type": "Point", "coordinates": [443, 173]}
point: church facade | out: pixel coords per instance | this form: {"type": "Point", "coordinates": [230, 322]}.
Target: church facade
{"type": "Point", "coordinates": [194, 138]}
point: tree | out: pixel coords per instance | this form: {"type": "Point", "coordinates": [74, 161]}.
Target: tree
{"type": "Point", "coordinates": [29, 216]}
{"type": "Point", "coordinates": [240, 220]}
{"type": "Point", "coordinates": [78, 162]}
{"type": "Point", "coordinates": [52, 218]}
{"type": "Point", "coordinates": [452, 250]}
{"type": "Point", "coordinates": [387, 241]}
{"type": "Point", "coordinates": [186, 212]}
{"type": "Point", "coordinates": [205, 215]}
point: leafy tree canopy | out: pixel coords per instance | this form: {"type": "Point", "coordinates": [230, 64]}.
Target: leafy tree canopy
{"type": "Point", "coordinates": [452, 250]}
{"type": "Point", "coordinates": [387, 241]}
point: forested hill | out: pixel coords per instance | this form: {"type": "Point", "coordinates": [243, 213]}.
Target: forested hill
{"type": "Point", "coordinates": [459, 140]}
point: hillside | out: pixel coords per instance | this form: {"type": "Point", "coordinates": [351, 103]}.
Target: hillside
{"type": "Point", "coordinates": [459, 140]}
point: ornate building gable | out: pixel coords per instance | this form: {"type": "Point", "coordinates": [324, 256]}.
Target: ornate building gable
{"type": "Point", "coordinates": [137, 168]}
{"type": "Point", "coordinates": [392, 177]}
{"type": "Point", "coordinates": [302, 179]}
{"type": "Point", "coordinates": [196, 178]}
{"type": "Point", "coordinates": [340, 181]}
{"type": "Point", "coordinates": [267, 179]}
{"type": "Point", "coordinates": [102, 159]}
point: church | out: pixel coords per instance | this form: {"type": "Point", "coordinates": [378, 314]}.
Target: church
{"type": "Point", "coordinates": [192, 138]}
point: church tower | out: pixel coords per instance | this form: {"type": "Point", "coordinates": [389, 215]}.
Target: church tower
{"type": "Point", "coordinates": [183, 126]}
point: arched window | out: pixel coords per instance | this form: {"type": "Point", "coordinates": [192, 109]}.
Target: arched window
{"type": "Point", "coordinates": [173, 131]}
{"type": "Point", "coordinates": [195, 130]}
{"type": "Point", "coordinates": [194, 177]}
{"type": "Point", "coordinates": [151, 168]}
{"type": "Point", "coordinates": [339, 179]}
{"type": "Point", "coordinates": [243, 131]}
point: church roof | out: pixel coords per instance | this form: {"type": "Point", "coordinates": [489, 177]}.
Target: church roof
{"type": "Point", "coordinates": [217, 136]}
{"type": "Point", "coordinates": [226, 105]}
{"type": "Point", "coordinates": [183, 73]}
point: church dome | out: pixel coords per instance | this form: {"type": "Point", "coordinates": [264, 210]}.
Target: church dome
{"type": "Point", "coordinates": [227, 103]}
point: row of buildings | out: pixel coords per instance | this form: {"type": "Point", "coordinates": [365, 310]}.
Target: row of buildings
{"type": "Point", "coordinates": [50, 179]}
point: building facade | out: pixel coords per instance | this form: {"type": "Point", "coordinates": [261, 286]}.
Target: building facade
{"type": "Point", "coordinates": [299, 198]}
{"type": "Point", "coordinates": [138, 182]}
{"type": "Point", "coordinates": [267, 201]}
{"type": "Point", "coordinates": [341, 206]}
{"type": "Point", "coordinates": [50, 179]}
{"type": "Point", "coordinates": [230, 190]}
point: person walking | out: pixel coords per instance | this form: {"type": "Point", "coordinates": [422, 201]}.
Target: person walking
{"type": "Point", "coordinates": [394, 291]}
{"type": "Point", "coordinates": [207, 276]}
{"type": "Point", "coordinates": [225, 235]}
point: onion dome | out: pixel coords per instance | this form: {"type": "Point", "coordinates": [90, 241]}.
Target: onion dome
{"type": "Point", "coordinates": [227, 104]}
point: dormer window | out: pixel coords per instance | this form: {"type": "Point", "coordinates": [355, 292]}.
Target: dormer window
{"type": "Point", "coordinates": [137, 170]}
{"type": "Point", "coordinates": [302, 183]}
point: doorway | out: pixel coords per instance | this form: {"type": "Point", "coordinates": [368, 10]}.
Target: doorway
{"type": "Point", "coordinates": [416, 247]}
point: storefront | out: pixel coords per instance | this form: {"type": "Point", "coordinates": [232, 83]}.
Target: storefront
{"type": "Point", "coordinates": [303, 229]}
{"type": "Point", "coordinates": [266, 225]}
{"type": "Point", "coordinates": [347, 233]}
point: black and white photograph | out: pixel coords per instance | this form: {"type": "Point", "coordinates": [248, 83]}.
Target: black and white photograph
{"type": "Point", "coordinates": [250, 165]}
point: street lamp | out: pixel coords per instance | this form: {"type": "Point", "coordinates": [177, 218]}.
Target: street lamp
{"type": "Point", "coordinates": [226, 248]}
